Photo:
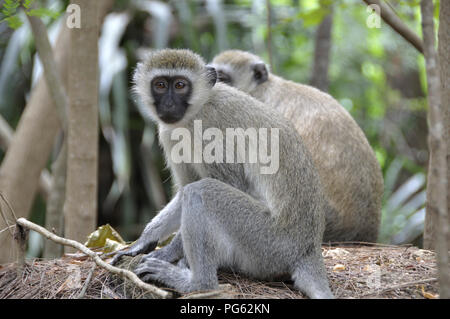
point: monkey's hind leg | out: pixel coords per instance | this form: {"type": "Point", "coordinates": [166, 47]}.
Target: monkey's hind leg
{"type": "Point", "coordinates": [210, 226]}
{"type": "Point", "coordinates": [222, 226]}
{"type": "Point", "coordinates": [198, 244]}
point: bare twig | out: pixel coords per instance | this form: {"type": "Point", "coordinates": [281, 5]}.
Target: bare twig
{"type": "Point", "coordinates": [118, 271]}
{"type": "Point", "coordinates": [397, 24]}
{"type": "Point", "coordinates": [400, 286]}
{"type": "Point", "coordinates": [86, 283]}
{"type": "Point", "coordinates": [5, 200]}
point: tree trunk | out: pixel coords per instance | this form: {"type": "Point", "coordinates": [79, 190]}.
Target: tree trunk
{"type": "Point", "coordinates": [436, 222]}
{"type": "Point", "coordinates": [54, 217]}
{"type": "Point", "coordinates": [30, 148]}
{"type": "Point", "coordinates": [444, 64]}
{"type": "Point", "coordinates": [80, 208]}
{"type": "Point", "coordinates": [32, 143]}
{"type": "Point", "coordinates": [319, 76]}
{"type": "Point", "coordinates": [6, 136]}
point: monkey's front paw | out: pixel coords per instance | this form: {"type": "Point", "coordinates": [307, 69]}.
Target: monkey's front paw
{"type": "Point", "coordinates": [152, 269]}
{"type": "Point", "coordinates": [136, 249]}
{"type": "Point", "coordinates": [165, 254]}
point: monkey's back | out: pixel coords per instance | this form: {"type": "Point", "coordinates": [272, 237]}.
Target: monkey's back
{"type": "Point", "coordinates": [348, 169]}
{"type": "Point", "coordinates": [293, 193]}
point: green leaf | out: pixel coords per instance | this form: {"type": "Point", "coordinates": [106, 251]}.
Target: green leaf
{"type": "Point", "coordinates": [10, 7]}
{"type": "Point", "coordinates": [14, 22]}
{"type": "Point", "coordinates": [313, 17]}
{"type": "Point", "coordinates": [43, 12]}
{"type": "Point", "coordinates": [27, 4]}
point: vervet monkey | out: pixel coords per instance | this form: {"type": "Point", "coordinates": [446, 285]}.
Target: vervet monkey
{"type": "Point", "coordinates": [229, 214]}
{"type": "Point", "coordinates": [349, 171]}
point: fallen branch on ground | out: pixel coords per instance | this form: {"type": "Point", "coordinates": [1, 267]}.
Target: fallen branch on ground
{"type": "Point", "coordinates": [115, 270]}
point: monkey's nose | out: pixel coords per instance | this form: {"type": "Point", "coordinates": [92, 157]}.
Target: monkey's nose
{"type": "Point", "coordinates": [169, 106]}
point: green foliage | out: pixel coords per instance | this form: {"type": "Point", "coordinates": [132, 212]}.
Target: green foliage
{"type": "Point", "coordinates": [43, 12]}
{"type": "Point", "coordinates": [10, 7]}
{"type": "Point", "coordinates": [14, 22]}
{"type": "Point", "coordinates": [314, 16]}
{"type": "Point", "coordinates": [403, 209]}
{"type": "Point", "coordinates": [10, 12]}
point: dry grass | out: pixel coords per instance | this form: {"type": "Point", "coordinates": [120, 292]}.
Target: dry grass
{"type": "Point", "coordinates": [354, 272]}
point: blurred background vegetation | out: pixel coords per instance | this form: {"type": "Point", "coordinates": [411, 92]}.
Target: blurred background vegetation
{"type": "Point", "coordinates": [374, 73]}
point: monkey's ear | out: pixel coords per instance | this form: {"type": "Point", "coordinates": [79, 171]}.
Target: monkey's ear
{"type": "Point", "coordinates": [211, 74]}
{"type": "Point", "coordinates": [260, 73]}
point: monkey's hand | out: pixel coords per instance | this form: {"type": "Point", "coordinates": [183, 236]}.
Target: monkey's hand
{"type": "Point", "coordinates": [140, 247]}
{"type": "Point", "coordinates": [160, 228]}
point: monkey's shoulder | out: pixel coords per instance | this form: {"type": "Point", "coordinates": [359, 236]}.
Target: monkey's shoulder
{"type": "Point", "coordinates": [232, 105]}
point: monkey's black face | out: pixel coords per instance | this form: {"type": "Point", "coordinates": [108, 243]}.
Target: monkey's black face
{"type": "Point", "coordinates": [224, 77]}
{"type": "Point", "coordinates": [171, 96]}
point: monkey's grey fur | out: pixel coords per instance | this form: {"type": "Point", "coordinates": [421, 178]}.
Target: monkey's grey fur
{"type": "Point", "coordinates": [347, 166]}
{"type": "Point", "coordinates": [230, 215]}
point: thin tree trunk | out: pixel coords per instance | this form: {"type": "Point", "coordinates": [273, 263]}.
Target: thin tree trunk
{"type": "Point", "coordinates": [31, 146]}
{"type": "Point", "coordinates": [54, 218]}
{"type": "Point", "coordinates": [436, 217]}
{"type": "Point", "coordinates": [54, 206]}
{"type": "Point", "coordinates": [444, 65]}
{"type": "Point", "coordinates": [152, 180]}
{"type": "Point", "coordinates": [80, 208]}
{"type": "Point", "coordinates": [319, 76]}
{"type": "Point", "coordinates": [33, 142]}
{"type": "Point", "coordinates": [6, 136]}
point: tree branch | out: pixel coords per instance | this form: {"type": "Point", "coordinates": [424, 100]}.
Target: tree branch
{"type": "Point", "coordinates": [115, 270]}
{"type": "Point", "coordinates": [51, 74]}
{"type": "Point", "coordinates": [397, 24]}
{"type": "Point", "coordinates": [6, 137]}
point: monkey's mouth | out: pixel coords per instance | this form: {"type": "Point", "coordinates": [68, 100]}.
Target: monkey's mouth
{"type": "Point", "coordinates": [169, 118]}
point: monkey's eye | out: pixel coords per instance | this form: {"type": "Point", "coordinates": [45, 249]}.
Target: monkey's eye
{"type": "Point", "coordinates": [180, 85]}
{"type": "Point", "coordinates": [160, 85]}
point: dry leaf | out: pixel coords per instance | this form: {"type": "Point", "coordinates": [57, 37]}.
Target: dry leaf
{"type": "Point", "coordinates": [371, 268]}
{"type": "Point", "coordinates": [337, 252]}
{"type": "Point", "coordinates": [107, 237]}
{"type": "Point", "coordinates": [428, 295]}
{"type": "Point", "coordinates": [338, 267]}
